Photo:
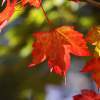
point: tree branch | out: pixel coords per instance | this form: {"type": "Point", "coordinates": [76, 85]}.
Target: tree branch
{"type": "Point", "coordinates": [94, 3]}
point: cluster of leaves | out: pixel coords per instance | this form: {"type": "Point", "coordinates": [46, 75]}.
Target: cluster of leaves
{"type": "Point", "coordinates": [10, 8]}
{"type": "Point", "coordinates": [56, 45]}
{"type": "Point", "coordinates": [93, 65]}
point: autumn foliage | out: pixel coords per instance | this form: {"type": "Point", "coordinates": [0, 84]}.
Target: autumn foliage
{"type": "Point", "coordinates": [93, 65]}
{"type": "Point", "coordinates": [7, 12]}
{"type": "Point", "coordinates": [57, 45]}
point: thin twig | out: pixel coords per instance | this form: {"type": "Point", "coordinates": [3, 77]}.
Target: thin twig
{"type": "Point", "coordinates": [49, 22]}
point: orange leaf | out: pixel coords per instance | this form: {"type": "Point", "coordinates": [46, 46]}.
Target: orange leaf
{"type": "Point", "coordinates": [35, 3]}
{"type": "Point", "coordinates": [87, 95]}
{"type": "Point", "coordinates": [93, 37]}
{"type": "Point", "coordinates": [7, 12]}
{"type": "Point", "coordinates": [93, 66]}
{"type": "Point", "coordinates": [56, 46]}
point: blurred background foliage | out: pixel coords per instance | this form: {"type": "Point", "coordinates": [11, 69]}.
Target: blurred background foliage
{"type": "Point", "coordinates": [17, 81]}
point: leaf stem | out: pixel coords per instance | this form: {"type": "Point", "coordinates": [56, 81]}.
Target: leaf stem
{"type": "Point", "coordinates": [65, 80]}
{"type": "Point", "coordinates": [49, 22]}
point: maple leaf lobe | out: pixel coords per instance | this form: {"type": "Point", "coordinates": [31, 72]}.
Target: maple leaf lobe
{"type": "Point", "coordinates": [35, 3]}
{"type": "Point", "coordinates": [93, 66]}
{"type": "Point", "coordinates": [93, 37]}
{"type": "Point", "coordinates": [7, 12]}
{"type": "Point", "coordinates": [87, 95]}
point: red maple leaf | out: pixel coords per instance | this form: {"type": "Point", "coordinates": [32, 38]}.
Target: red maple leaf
{"type": "Point", "coordinates": [56, 46]}
{"type": "Point", "coordinates": [7, 12]}
{"type": "Point", "coordinates": [93, 66]}
{"type": "Point", "coordinates": [35, 3]}
{"type": "Point", "coordinates": [87, 95]}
